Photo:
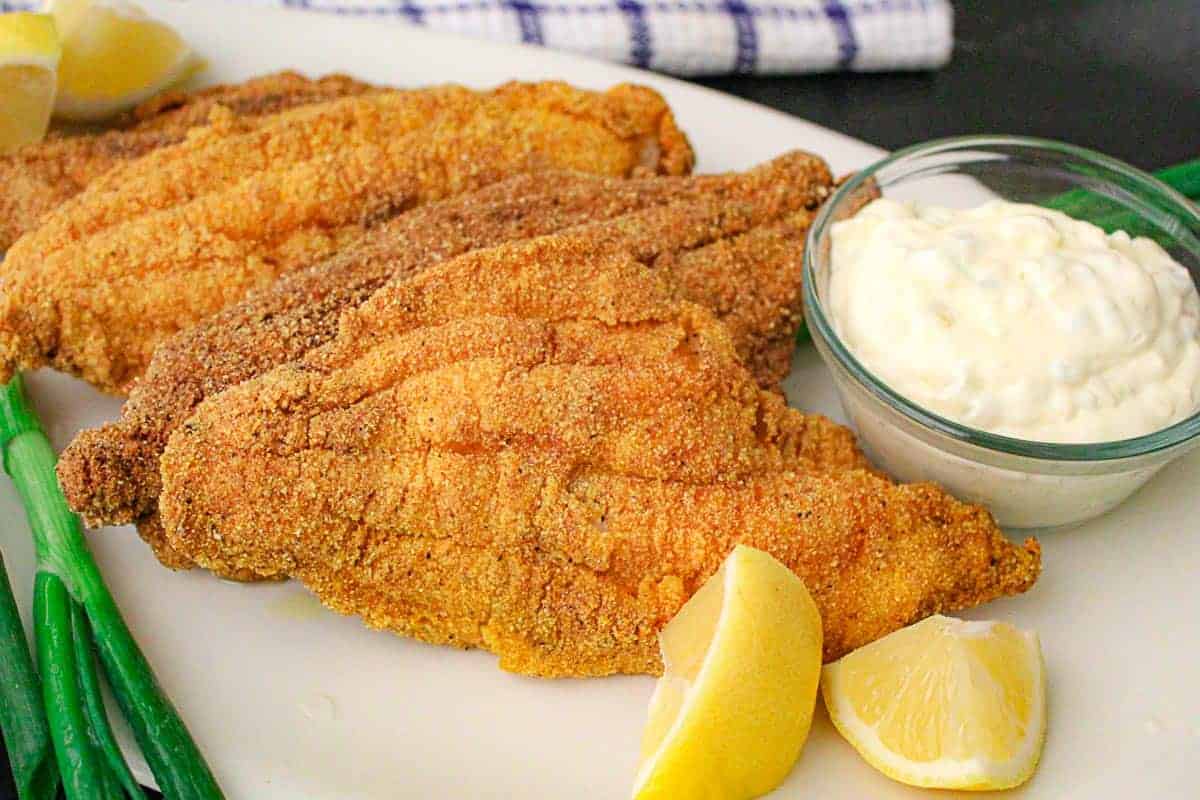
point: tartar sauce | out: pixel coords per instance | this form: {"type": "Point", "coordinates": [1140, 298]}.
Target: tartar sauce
{"type": "Point", "coordinates": [1018, 320]}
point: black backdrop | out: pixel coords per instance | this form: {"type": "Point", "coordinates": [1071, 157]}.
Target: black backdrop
{"type": "Point", "coordinates": [1120, 76]}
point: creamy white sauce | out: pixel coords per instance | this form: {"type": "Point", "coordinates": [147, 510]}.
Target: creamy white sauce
{"type": "Point", "coordinates": [1018, 320]}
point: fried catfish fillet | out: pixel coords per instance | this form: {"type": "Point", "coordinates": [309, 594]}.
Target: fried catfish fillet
{"type": "Point", "coordinates": [540, 450]}
{"type": "Point", "coordinates": [158, 244]}
{"type": "Point", "coordinates": [268, 94]}
{"type": "Point", "coordinates": [732, 242]}
{"type": "Point", "coordinates": [41, 176]}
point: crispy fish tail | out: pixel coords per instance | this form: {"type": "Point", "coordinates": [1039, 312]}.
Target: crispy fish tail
{"type": "Point", "coordinates": [257, 97]}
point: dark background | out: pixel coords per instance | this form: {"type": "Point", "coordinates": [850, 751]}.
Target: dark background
{"type": "Point", "coordinates": [1118, 76]}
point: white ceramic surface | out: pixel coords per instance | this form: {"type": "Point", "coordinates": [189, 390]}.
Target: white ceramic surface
{"type": "Point", "coordinates": [290, 701]}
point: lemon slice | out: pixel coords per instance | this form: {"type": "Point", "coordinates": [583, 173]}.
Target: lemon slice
{"type": "Point", "coordinates": [114, 57]}
{"type": "Point", "coordinates": [29, 55]}
{"type": "Point", "coordinates": [734, 705]}
{"type": "Point", "coordinates": [944, 704]}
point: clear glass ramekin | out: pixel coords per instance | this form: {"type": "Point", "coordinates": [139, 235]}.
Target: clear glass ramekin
{"type": "Point", "coordinates": [1026, 484]}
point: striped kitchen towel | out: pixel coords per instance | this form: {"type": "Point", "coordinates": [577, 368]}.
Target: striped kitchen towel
{"type": "Point", "coordinates": [704, 37]}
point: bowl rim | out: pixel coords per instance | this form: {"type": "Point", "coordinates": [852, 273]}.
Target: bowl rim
{"type": "Point", "coordinates": [1141, 183]}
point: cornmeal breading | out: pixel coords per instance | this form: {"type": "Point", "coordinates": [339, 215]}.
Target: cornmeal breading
{"type": "Point", "coordinates": [541, 450]}
{"type": "Point", "coordinates": [41, 176]}
{"type": "Point", "coordinates": [732, 242]}
{"type": "Point", "coordinates": [158, 244]}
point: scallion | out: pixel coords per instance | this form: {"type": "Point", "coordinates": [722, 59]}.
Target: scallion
{"type": "Point", "coordinates": [1112, 216]}
{"type": "Point", "coordinates": [22, 718]}
{"type": "Point", "coordinates": [93, 706]}
{"type": "Point", "coordinates": [67, 573]}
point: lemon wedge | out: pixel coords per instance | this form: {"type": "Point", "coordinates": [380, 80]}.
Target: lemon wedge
{"type": "Point", "coordinates": [114, 57]}
{"type": "Point", "coordinates": [742, 664]}
{"type": "Point", "coordinates": [29, 56]}
{"type": "Point", "coordinates": [945, 704]}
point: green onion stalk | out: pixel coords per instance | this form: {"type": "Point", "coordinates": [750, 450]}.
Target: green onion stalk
{"type": "Point", "coordinates": [802, 333]}
{"type": "Point", "coordinates": [22, 718]}
{"type": "Point", "coordinates": [1112, 216]}
{"type": "Point", "coordinates": [76, 623]}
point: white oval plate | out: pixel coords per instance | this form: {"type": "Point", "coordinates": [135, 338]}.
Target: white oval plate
{"type": "Point", "coordinates": [291, 701]}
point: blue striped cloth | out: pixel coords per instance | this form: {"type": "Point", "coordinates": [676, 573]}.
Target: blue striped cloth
{"type": "Point", "coordinates": [706, 37]}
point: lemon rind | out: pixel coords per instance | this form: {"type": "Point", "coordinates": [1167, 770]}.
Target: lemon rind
{"type": "Point", "coordinates": [647, 769]}
{"type": "Point", "coordinates": [29, 51]}
{"type": "Point", "coordinates": [945, 773]}
{"type": "Point", "coordinates": [71, 105]}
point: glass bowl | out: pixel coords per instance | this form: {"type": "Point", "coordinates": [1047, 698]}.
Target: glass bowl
{"type": "Point", "coordinates": [1025, 484]}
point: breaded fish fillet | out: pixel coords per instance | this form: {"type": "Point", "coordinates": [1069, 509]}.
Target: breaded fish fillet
{"type": "Point", "coordinates": [40, 177]}
{"type": "Point", "coordinates": [158, 244]}
{"type": "Point", "coordinates": [733, 242]}
{"type": "Point", "coordinates": [257, 97]}
{"type": "Point", "coordinates": [539, 450]}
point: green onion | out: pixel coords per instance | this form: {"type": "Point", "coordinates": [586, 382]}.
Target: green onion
{"type": "Point", "coordinates": [93, 705]}
{"type": "Point", "coordinates": [66, 572]}
{"type": "Point", "coordinates": [1113, 216]}
{"type": "Point", "coordinates": [78, 762]}
{"type": "Point", "coordinates": [1183, 178]}
{"type": "Point", "coordinates": [22, 718]}
{"type": "Point", "coordinates": [802, 333]}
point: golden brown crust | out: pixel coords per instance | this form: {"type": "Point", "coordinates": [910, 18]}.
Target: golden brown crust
{"type": "Point", "coordinates": [257, 97]}
{"type": "Point", "coordinates": [544, 455]}
{"type": "Point", "coordinates": [161, 242]}
{"type": "Point", "coordinates": [42, 176]}
{"type": "Point", "coordinates": [733, 242]}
